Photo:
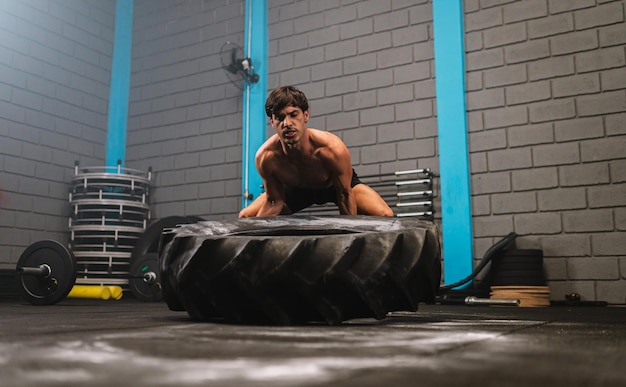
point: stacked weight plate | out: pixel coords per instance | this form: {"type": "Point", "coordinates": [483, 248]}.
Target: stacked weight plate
{"type": "Point", "coordinates": [518, 274]}
{"type": "Point", "coordinates": [109, 212]}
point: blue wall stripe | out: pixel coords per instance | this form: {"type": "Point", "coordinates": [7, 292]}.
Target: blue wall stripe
{"type": "Point", "coordinates": [120, 83]}
{"type": "Point", "coordinates": [254, 119]}
{"type": "Point", "coordinates": [452, 137]}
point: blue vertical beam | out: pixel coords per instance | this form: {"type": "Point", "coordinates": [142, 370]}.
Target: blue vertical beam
{"type": "Point", "coordinates": [453, 150]}
{"type": "Point", "coordinates": [254, 120]}
{"type": "Point", "coordinates": [120, 83]}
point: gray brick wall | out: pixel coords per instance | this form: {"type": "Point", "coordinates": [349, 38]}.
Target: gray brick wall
{"type": "Point", "coordinates": [55, 60]}
{"type": "Point", "coordinates": [550, 125]}
{"type": "Point", "coordinates": [546, 112]}
{"type": "Point", "coordinates": [185, 114]}
{"type": "Point", "coordinates": [546, 101]}
{"type": "Point", "coordinates": [376, 56]}
{"type": "Point", "coordinates": [319, 47]}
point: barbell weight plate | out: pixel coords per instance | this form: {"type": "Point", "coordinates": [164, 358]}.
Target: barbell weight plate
{"type": "Point", "coordinates": [39, 290]}
{"type": "Point", "coordinates": [142, 290]}
{"type": "Point", "coordinates": [148, 246]}
{"type": "Point", "coordinates": [148, 242]}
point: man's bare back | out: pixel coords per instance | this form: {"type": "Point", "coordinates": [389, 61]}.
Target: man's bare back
{"type": "Point", "coordinates": [298, 159]}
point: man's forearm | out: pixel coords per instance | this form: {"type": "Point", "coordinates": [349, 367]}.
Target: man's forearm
{"type": "Point", "coordinates": [271, 208]}
{"type": "Point", "coordinates": [346, 204]}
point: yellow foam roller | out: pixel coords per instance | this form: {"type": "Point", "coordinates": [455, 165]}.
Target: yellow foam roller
{"type": "Point", "coordinates": [90, 291]}
{"type": "Point", "coordinates": [116, 292]}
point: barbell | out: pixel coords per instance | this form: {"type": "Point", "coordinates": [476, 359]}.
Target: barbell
{"type": "Point", "coordinates": [143, 277]}
{"type": "Point", "coordinates": [46, 273]}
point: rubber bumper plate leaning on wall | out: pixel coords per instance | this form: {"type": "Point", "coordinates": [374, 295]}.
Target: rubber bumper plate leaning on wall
{"type": "Point", "coordinates": [296, 269]}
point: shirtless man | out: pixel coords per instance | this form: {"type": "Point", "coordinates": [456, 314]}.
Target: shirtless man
{"type": "Point", "coordinates": [302, 166]}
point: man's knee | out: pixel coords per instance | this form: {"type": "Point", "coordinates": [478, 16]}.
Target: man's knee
{"type": "Point", "coordinates": [386, 211]}
{"type": "Point", "coordinates": [382, 209]}
{"type": "Point", "coordinates": [246, 213]}
{"type": "Point", "coordinates": [369, 202]}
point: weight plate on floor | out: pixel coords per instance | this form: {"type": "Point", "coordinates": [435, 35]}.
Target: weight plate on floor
{"type": "Point", "coordinates": [522, 256]}
{"type": "Point", "coordinates": [148, 242]}
{"type": "Point", "coordinates": [144, 278]}
{"type": "Point", "coordinates": [46, 288]}
{"type": "Point", "coordinates": [519, 281]}
{"type": "Point", "coordinates": [519, 273]}
{"type": "Point", "coordinates": [518, 266]}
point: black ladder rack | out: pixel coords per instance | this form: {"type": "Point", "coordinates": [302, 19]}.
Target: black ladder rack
{"type": "Point", "coordinates": [409, 193]}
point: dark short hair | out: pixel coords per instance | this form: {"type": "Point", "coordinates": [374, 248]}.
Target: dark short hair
{"type": "Point", "coordinates": [285, 96]}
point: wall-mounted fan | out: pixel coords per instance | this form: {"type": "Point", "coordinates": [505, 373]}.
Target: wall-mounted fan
{"type": "Point", "coordinates": [238, 68]}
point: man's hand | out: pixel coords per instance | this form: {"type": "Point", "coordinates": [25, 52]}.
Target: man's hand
{"type": "Point", "coordinates": [271, 207]}
{"type": "Point", "coordinates": [337, 160]}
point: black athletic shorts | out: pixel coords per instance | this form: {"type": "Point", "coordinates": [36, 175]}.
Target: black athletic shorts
{"type": "Point", "coordinates": [300, 198]}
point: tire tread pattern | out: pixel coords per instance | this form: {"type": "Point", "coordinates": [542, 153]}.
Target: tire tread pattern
{"type": "Point", "coordinates": [298, 269]}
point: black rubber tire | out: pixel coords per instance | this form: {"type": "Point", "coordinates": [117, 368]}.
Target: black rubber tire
{"type": "Point", "coordinates": [148, 242]}
{"type": "Point", "coordinates": [297, 269]}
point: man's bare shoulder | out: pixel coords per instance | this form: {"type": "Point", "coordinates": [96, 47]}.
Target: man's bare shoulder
{"type": "Point", "coordinates": [322, 134]}
{"type": "Point", "coordinates": [272, 144]}
{"type": "Point", "coordinates": [269, 150]}
{"type": "Point", "coordinates": [327, 141]}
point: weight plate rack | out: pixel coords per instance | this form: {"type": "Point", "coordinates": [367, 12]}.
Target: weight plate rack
{"type": "Point", "coordinates": [414, 192]}
{"type": "Point", "coordinates": [409, 193]}
{"type": "Point", "coordinates": [109, 212]}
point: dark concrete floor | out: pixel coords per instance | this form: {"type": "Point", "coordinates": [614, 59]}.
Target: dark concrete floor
{"type": "Point", "coordinates": [127, 342]}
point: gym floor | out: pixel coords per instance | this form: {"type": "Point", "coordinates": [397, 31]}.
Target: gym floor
{"type": "Point", "coordinates": [80, 342]}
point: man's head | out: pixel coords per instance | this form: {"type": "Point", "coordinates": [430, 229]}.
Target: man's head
{"type": "Point", "coordinates": [284, 96]}
{"type": "Point", "coordinates": [288, 110]}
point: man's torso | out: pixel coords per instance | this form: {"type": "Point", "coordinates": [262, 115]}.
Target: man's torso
{"type": "Point", "coordinates": [302, 170]}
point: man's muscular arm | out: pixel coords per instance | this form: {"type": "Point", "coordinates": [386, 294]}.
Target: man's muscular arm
{"type": "Point", "coordinates": [340, 166]}
{"type": "Point", "coordinates": [274, 203]}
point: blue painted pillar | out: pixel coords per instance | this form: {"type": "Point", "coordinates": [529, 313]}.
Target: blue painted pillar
{"type": "Point", "coordinates": [120, 83]}
{"type": "Point", "coordinates": [254, 119]}
{"type": "Point", "coordinates": [453, 149]}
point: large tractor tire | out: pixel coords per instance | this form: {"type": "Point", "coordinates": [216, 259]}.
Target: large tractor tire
{"type": "Point", "coordinates": [144, 257]}
{"type": "Point", "coordinates": [297, 269]}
